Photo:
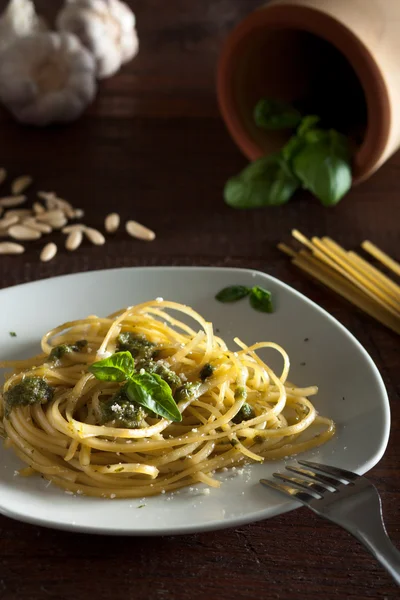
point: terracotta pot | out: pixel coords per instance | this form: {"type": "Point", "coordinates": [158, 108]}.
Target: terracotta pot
{"type": "Point", "coordinates": [335, 58]}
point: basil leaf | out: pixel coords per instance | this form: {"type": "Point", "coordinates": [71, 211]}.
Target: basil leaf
{"type": "Point", "coordinates": [233, 293]}
{"type": "Point", "coordinates": [117, 367]}
{"type": "Point", "coordinates": [324, 168]}
{"type": "Point", "coordinates": [152, 392]}
{"type": "Point", "coordinates": [307, 124]}
{"type": "Point", "coordinates": [261, 299]}
{"type": "Point", "coordinates": [266, 182]}
{"type": "Point", "coordinates": [293, 147]}
{"type": "Point", "coordinates": [273, 115]}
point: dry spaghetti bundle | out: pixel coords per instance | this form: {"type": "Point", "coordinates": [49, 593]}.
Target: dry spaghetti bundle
{"type": "Point", "coordinates": [348, 274]}
{"type": "Point", "coordinates": [140, 403]}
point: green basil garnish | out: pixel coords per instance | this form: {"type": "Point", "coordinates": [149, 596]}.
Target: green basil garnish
{"type": "Point", "coordinates": [152, 392]}
{"type": "Point", "coordinates": [117, 367]}
{"type": "Point", "coordinates": [146, 389]}
{"type": "Point", "coordinates": [261, 299]}
{"type": "Point", "coordinates": [233, 293]}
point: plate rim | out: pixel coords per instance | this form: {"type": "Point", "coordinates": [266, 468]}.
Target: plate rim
{"type": "Point", "coordinates": [282, 508]}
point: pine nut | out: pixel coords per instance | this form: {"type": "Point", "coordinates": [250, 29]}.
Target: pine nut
{"type": "Point", "coordinates": [71, 228]}
{"type": "Point", "coordinates": [139, 231]}
{"type": "Point", "coordinates": [32, 223]}
{"type": "Point", "coordinates": [38, 208]}
{"type": "Point", "coordinates": [74, 240]}
{"type": "Point", "coordinates": [3, 175]}
{"type": "Point", "coordinates": [94, 236]}
{"type": "Point", "coordinates": [21, 232]}
{"type": "Point", "coordinates": [20, 184]}
{"type": "Point", "coordinates": [50, 214]}
{"type": "Point", "coordinates": [7, 221]}
{"type": "Point", "coordinates": [10, 201]}
{"type": "Point", "coordinates": [11, 248]}
{"type": "Point", "coordinates": [21, 213]}
{"type": "Point", "coordinates": [78, 213]}
{"type": "Point", "coordinates": [55, 218]}
{"type": "Point", "coordinates": [111, 222]}
{"type": "Point", "coordinates": [66, 207]}
{"type": "Point", "coordinates": [49, 251]}
{"type": "Point", "coordinates": [50, 199]}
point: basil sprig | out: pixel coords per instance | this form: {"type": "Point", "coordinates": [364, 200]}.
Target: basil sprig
{"type": "Point", "coordinates": [266, 182]}
{"type": "Point", "coordinates": [146, 389]}
{"type": "Point", "coordinates": [260, 298]}
{"type": "Point", "coordinates": [274, 115]}
{"type": "Point", "coordinates": [316, 159]}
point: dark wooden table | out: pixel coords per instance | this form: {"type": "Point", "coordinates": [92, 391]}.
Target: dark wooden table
{"type": "Point", "coordinates": [154, 148]}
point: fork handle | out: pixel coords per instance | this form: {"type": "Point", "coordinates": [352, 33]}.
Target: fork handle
{"type": "Point", "coordinates": [379, 544]}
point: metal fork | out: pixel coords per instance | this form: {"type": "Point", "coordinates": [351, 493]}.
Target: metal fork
{"type": "Point", "coordinates": [346, 499]}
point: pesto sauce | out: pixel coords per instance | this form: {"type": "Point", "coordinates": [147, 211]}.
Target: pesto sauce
{"type": "Point", "coordinates": [206, 371]}
{"type": "Point", "coordinates": [245, 414]}
{"type": "Point", "coordinates": [186, 391]}
{"type": "Point", "coordinates": [58, 352]}
{"type": "Point", "coordinates": [141, 349]}
{"type": "Point", "coordinates": [120, 411]}
{"type": "Point", "coordinates": [31, 390]}
{"type": "Point", "coordinates": [167, 374]}
{"type": "Point", "coordinates": [240, 393]}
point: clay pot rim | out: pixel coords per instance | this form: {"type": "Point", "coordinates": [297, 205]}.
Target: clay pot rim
{"type": "Point", "coordinates": [311, 20]}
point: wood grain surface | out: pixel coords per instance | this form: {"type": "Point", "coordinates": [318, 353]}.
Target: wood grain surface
{"type": "Point", "coordinates": [153, 148]}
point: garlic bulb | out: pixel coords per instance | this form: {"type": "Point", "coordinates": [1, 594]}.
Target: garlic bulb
{"type": "Point", "coordinates": [19, 19]}
{"type": "Point", "coordinates": [47, 78]}
{"type": "Point", "coordinates": [106, 28]}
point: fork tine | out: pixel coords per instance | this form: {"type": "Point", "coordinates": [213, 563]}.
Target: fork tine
{"type": "Point", "coordinates": [330, 483]}
{"type": "Point", "coordinates": [334, 472]}
{"type": "Point", "coordinates": [276, 486]}
{"type": "Point", "coordinates": [288, 491]}
{"type": "Point", "coordinates": [315, 490]}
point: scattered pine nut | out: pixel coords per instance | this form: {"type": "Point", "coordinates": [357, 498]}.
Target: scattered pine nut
{"type": "Point", "coordinates": [38, 208]}
{"type": "Point", "coordinates": [20, 184]}
{"type": "Point", "coordinates": [20, 213]}
{"type": "Point", "coordinates": [139, 231]}
{"type": "Point", "coordinates": [79, 213]}
{"type": "Point", "coordinates": [66, 207]}
{"type": "Point", "coordinates": [10, 201]}
{"type": "Point", "coordinates": [111, 222]}
{"type": "Point", "coordinates": [33, 223]}
{"type": "Point", "coordinates": [55, 218]}
{"type": "Point", "coordinates": [49, 251]}
{"type": "Point", "coordinates": [94, 236]}
{"type": "Point", "coordinates": [7, 221]}
{"type": "Point", "coordinates": [21, 232]}
{"type": "Point", "coordinates": [74, 240]}
{"type": "Point", "coordinates": [71, 228]}
{"type": "Point", "coordinates": [11, 248]}
{"type": "Point", "coordinates": [3, 175]}
{"type": "Point", "coordinates": [50, 199]}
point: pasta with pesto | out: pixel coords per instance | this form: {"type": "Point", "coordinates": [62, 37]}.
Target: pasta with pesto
{"type": "Point", "coordinates": [140, 403]}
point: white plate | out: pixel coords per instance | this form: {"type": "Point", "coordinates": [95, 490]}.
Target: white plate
{"type": "Point", "coordinates": [351, 392]}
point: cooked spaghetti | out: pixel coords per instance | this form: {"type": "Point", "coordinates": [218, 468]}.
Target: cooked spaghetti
{"type": "Point", "coordinates": [87, 428]}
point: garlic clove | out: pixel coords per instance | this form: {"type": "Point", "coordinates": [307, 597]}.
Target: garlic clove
{"type": "Point", "coordinates": [47, 78]}
{"type": "Point", "coordinates": [106, 28]}
{"type": "Point", "coordinates": [18, 20]}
